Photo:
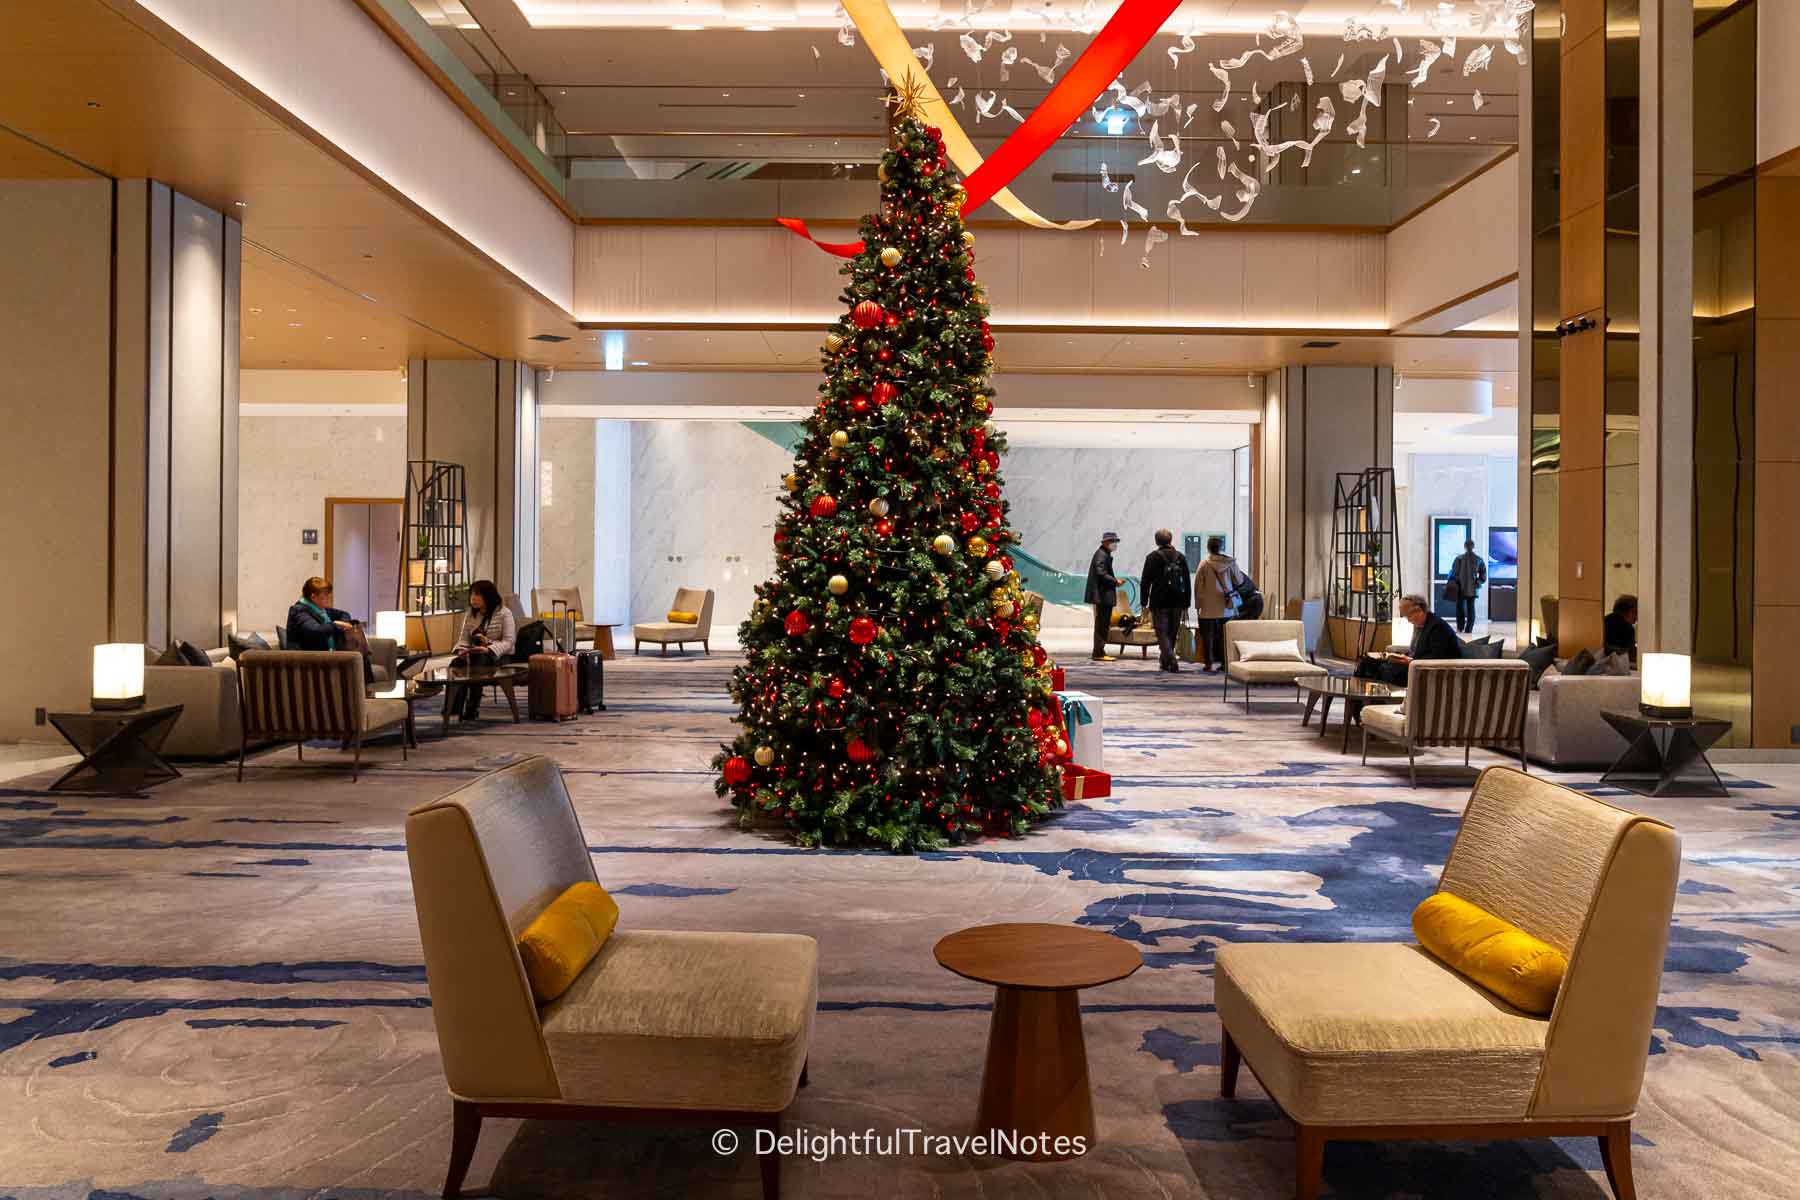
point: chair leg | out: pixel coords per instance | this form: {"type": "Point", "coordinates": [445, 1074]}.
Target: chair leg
{"type": "Point", "coordinates": [240, 762]}
{"type": "Point", "coordinates": [665, 649]}
{"type": "Point", "coordinates": [1229, 1061]}
{"type": "Point", "coordinates": [706, 649]}
{"type": "Point", "coordinates": [300, 749]}
{"type": "Point", "coordinates": [770, 1162]}
{"type": "Point", "coordinates": [355, 759]}
{"type": "Point", "coordinates": [1615, 1152]}
{"type": "Point", "coordinates": [1309, 1161]}
{"type": "Point", "coordinates": [1365, 730]}
{"type": "Point", "coordinates": [1466, 751]}
{"type": "Point", "coordinates": [803, 1069]}
{"type": "Point", "coordinates": [1412, 766]}
{"type": "Point", "coordinates": [465, 1131]}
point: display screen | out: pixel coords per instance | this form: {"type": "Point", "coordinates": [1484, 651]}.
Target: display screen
{"type": "Point", "coordinates": [1451, 532]}
{"type": "Point", "coordinates": [1503, 553]}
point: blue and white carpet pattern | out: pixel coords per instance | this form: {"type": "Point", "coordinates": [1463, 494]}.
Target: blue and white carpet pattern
{"type": "Point", "coordinates": [215, 990]}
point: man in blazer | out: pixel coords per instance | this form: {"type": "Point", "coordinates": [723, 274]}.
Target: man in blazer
{"type": "Point", "coordinates": [1432, 638]}
{"type": "Point", "coordinates": [1103, 592]}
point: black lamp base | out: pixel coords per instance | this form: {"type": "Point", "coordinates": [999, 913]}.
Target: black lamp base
{"type": "Point", "coordinates": [113, 704]}
{"type": "Point", "coordinates": [1656, 712]}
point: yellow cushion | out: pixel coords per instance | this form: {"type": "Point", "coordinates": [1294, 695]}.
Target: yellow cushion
{"type": "Point", "coordinates": [559, 944]}
{"type": "Point", "coordinates": [1501, 957]}
{"type": "Point", "coordinates": [574, 614]}
{"type": "Point", "coordinates": [677, 617]}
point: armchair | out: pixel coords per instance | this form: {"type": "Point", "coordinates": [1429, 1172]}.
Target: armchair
{"type": "Point", "coordinates": [1383, 1042]}
{"type": "Point", "coordinates": [661, 1027]}
{"type": "Point", "coordinates": [1463, 702]}
{"type": "Point", "coordinates": [1277, 674]}
{"type": "Point", "coordinates": [298, 695]}
{"type": "Point", "coordinates": [545, 599]}
{"type": "Point", "coordinates": [675, 633]}
{"type": "Point", "coordinates": [1143, 635]}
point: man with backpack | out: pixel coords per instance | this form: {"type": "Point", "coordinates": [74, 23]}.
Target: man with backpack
{"type": "Point", "coordinates": [1164, 587]}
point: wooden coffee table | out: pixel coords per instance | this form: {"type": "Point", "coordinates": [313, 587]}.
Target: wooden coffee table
{"type": "Point", "coordinates": [1035, 1083]}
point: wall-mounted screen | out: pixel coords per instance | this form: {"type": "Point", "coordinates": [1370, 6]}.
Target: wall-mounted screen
{"type": "Point", "coordinates": [1503, 552]}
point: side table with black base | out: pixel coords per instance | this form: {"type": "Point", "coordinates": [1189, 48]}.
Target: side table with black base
{"type": "Point", "coordinates": [121, 749]}
{"type": "Point", "coordinates": [1666, 757]}
{"type": "Point", "coordinates": [1354, 692]}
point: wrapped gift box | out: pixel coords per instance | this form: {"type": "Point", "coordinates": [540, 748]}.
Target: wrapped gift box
{"type": "Point", "coordinates": [1084, 783]}
{"type": "Point", "coordinates": [1084, 719]}
{"type": "Point", "coordinates": [1058, 681]}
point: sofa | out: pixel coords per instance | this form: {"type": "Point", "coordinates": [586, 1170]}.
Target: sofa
{"type": "Point", "coordinates": [1563, 725]}
{"type": "Point", "coordinates": [666, 1027]}
{"type": "Point", "coordinates": [1368, 1041]}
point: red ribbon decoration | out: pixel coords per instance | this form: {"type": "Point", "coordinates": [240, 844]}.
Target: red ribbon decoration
{"type": "Point", "coordinates": [1118, 43]}
{"type": "Point", "coordinates": [1130, 28]}
{"type": "Point", "coordinates": [841, 249]}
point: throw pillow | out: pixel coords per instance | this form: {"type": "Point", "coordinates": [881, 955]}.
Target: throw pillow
{"type": "Point", "coordinates": [1482, 649]}
{"type": "Point", "coordinates": [1541, 659]}
{"type": "Point", "coordinates": [171, 657]}
{"type": "Point", "coordinates": [1287, 651]}
{"type": "Point", "coordinates": [1616, 663]}
{"type": "Point", "coordinates": [563, 939]}
{"type": "Point", "coordinates": [241, 642]}
{"type": "Point", "coordinates": [1581, 664]}
{"type": "Point", "coordinates": [192, 655]}
{"type": "Point", "coordinates": [677, 617]}
{"type": "Point", "coordinates": [1501, 957]}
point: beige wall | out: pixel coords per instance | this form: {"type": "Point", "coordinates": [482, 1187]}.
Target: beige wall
{"type": "Point", "coordinates": [54, 527]}
{"type": "Point", "coordinates": [1777, 82]}
{"type": "Point", "coordinates": [1457, 246]}
{"type": "Point", "coordinates": [566, 505]}
{"type": "Point", "coordinates": [262, 388]}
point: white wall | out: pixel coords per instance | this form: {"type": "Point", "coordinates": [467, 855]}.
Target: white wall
{"type": "Point", "coordinates": [1483, 487]}
{"type": "Point", "coordinates": [566, 505]}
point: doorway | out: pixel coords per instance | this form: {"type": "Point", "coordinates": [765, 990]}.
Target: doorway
{"type": "Point", "coordinates": [362, 553]}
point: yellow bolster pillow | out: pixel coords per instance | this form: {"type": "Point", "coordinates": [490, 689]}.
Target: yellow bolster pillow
{"type": "Point", "coordinates": [559, 944]}
{"type": "Point", "coordinates": [677, 617]}
{"type": "Point", "coordinates": [1501, 957]}
{"type": "Point", "coordinates": [574, 614]}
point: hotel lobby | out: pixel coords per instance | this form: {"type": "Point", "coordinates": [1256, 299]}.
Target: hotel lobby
{"type": "Point", "coordinates": [749, 598]}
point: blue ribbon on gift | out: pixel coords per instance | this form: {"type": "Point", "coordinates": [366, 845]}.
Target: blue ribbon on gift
{"type": "Point", "coordinates": [1075, 713]}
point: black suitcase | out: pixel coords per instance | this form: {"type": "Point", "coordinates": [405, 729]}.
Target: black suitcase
{"type": "Point", "coordinates": [590, 681]}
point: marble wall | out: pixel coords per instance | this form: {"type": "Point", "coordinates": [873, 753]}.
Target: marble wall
{"type": "Point", "coordinates": [288, 465]}
{"type": "Point", "coordinates": [566, 505]}
{"type": "Point", "coordinates": [1482, 487]}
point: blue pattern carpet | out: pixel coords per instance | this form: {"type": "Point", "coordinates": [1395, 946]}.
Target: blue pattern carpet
{"type": "Point", "coordinates": [216, 991]}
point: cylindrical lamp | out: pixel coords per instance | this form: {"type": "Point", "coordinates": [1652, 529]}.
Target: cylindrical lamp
{"type": "Point", "coordinates": [1667, 686]}
{"type": "Point", "coordinates": [119, 675]}
{"type": "Point", "coordinates": [391, 624]}
{"type": "Point", "coordinates": [1402, 632]}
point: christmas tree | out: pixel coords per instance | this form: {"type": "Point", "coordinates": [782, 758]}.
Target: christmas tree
{"type": "Point", "coordinates": [894, 692]}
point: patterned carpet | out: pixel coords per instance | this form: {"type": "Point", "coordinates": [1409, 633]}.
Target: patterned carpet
{"type": "Point", "coordinates": [216, 990]}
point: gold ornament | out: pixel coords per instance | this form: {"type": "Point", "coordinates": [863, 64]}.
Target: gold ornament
{"type": "Point", "coordinates": [978, 546]}
{"type": "Point", "coordinates": [1029, 620]}
{"type": "Point", "coordinates": [981, 404]}
{"type": "Point", "coordinates": [907, 99]}
{"type": "Point", "coordinates": [958, 194]}
{"type": "Point", "coordinates": [982, 468]}
{"type": "Point", "coordinates": [943, 543]}
{"type": "Point", "coordinates": [834, 342]}
{"type": "Point", "coordinates": [1062, 747]}
{"type": "Point", "coordinates": [968, 237]}
{"type": "Point", "coordinates": [839, 439]}
{"type": "Point", "coordinates": [838, 585]}
{"type": "Point", "coordinates": [792, 482]}
{"type": "Point", "coordinates": [878, 506]}
{"type": "Point", "coordinates": [996, 570]}
{"type": "Point", "coordinates": [890, 256]}
{"type": "Point", "coordinates": [1004, 608]}
{"type": "Point", "coordinates": [765, 755]}
{"type": "Point", "coordinates": [881, 171]}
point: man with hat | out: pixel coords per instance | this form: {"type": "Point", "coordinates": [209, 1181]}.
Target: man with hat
{"type": "Point", "coordinates": [1103, 592]}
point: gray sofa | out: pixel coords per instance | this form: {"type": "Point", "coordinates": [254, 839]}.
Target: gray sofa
{"type": "Point", "coordinates": [1563, 725]}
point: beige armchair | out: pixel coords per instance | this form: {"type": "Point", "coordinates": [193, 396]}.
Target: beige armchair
{"type": "Point", "coordinates": [664, 1027]}
{"type": "Point", "coordinates": [297, 695]}
{"type": "Point", "coordinates": [1465, 702]}
{"type": "Point", "coordinates": [1142, 635]}
{"type": "Point", "coordinates": [1382, 1042]}
{"type": "Point", "coordinates": [673, 633]}
{"type": "Point", "coordinates": [545, 599]}
{"type": "Point", "coordinates": [1261, 674]}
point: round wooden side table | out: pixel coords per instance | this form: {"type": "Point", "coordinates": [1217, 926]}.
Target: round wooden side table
{"type": "Point", "coordinates": [1035, 1083]}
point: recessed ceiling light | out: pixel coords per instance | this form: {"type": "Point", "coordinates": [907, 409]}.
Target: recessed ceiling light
{"type": "Point", "coordinates": [330, 337]}
{"type": "Point", "coordinates": [638, 362]}
{"type": "Point", "coordinates": [759, 29]}
{"type": "Point", "coordinates": [240, 204]}
{"type": "Point", "coordinates": [686, 28]}
{"type": "Point", "coordinates": [293, 324]}
{"type": "Point", "coordinates": [1447, 100]}
{"type": "Point", "coordinates": [256, 310]}
{"type": "Point", "coordinates": [1356, 170]}
{"type": "Point", "coordinates": [801, 95]}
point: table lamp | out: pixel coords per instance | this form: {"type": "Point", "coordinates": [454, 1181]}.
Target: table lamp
{"type": "Point", "coordinates": [1402, 632]}
{"type": "Point", "coordinates": [119, 675]}
{"type": "Point", "coordinates": [1666, 691]}
{"type": "Point", "coordinates": [391, 624]}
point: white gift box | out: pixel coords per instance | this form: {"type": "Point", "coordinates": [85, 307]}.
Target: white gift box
{"type": "Point", "coordinates": [1085, 740]}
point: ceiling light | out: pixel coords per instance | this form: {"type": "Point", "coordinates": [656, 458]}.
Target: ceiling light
{"type": "Point", "coordinates": [256, 310]}
{"type": "Point", "coordinates": [686, 28]}
{"type": "Point", "coordinates": [759, 29]}
{"type": "Point", "coordinates": [725, 95]}
{"type": "Point", "coordinates": [1356, 170]}
{"type": "Point", "coordinates": [1449, 101]}
{"type": "Point", "coordinates": [800, 95]}
{"type": "Point", "coordinates": [293, 324]}
{"type": "Point", "coordinates": [240, 204]}
{"type": "Point", "coordinates": [638, 362]}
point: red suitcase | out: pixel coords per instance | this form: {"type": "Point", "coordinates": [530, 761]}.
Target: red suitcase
{"type": "Point", "coordinates": [552, 686]}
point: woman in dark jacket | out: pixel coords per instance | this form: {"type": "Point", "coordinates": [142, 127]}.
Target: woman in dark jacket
{"type": "Point", "coordinates": [312, 624]}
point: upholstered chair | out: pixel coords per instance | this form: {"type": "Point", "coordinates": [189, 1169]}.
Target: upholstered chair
{"type": "Point", "coordinates": [1360, 1041]}
{"type": "Point", "coordinates": [1142, 635]}
{"type": "Point", "coordinates": [1271, 674]}
{"type": "Point", "coordinates": [301, 695]}
{"type": "Point", "coordinates": [545, 599]}
{"type": "Point", "coordinates": [661, 1027]}
{"type": "Point", "coordinates": [1463, 702]}
{"type": "Point", "coordinates": [677, 633]}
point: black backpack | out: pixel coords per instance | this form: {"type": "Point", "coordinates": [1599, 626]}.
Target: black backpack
{"type": "Point", "coordinates": [1244, 596]}
{"type": "Point", "coordinates": [1173, 589]}
{"type": "Point", "coordinates": [530, 640]}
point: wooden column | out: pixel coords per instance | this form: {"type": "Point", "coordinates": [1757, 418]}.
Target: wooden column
{"type": "Point", "coordinates": [1775, 686]}
{"type": "Point", "coordinates": [1581, 573]}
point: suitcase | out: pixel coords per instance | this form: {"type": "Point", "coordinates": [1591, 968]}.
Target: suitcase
{"type": "Point", "coordinates": [552, 687]}
{"type": "Point", "coordinates": [590, 681]}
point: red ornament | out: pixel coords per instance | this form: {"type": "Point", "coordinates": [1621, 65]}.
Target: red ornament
{"type": "Point", "coordinates": [992, 490]}
{"type": "Point", "coordinates": [987, 341]}
{"type": "Point", "coordinates": [737, 771]}
{"type": "Point", "coordinates": [866, 315]}
{"type": "Point", "coordinates": [836, 688]}
{"type": "Point", "coordinates": [1039, 655]}
{"type": "Point", "coordinates": [823, 506]}
{"type": "Point", "coordinates": [860, 751]}
{"type": "Point", "coordinates": [796, 624]}
{"type": "Point", "coordinates": [884, 527]}
{"type": "Point", "coordinates": [1003, 628]}
{"type": "Point", "coordinates": [862, 631]}
{"type": "Point", "coordinates": [970, 522]}
{"type": "Point", "coordinates": [885, 392]}
{"type": "Point", "coordinates": [859, 404]}
{"type": "Point", "coordinates": [1035, 718]}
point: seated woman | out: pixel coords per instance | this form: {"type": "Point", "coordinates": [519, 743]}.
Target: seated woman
{"type": "Point", "coordinates": [488, 633]}
{"type": "Point", "coordinates": [312, 624]}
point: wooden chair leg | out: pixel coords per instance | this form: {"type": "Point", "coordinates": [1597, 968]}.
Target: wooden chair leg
{"type": "Point", "coordinates": [1229, 1061]}
{"type": "Point", "coordinates": [1412, 766]}
{"type": "Point", "coordinates": [300, 749]}
{"type": "Point", "coordinates": [240, 778]}
{"type": "Point", "coordinates": [1615, 1152]}
{"type": "Point", "coordinates": [771, 1162]}
{"type": "Point", "coordinates": [1467, 750]}
{"type": "Point", "coordinates": [1309, 1161]}
{"type": "Point", "coordinates": [465, 1131]}
{"type": "Point", "coordinates": [355, 759]}
{"type": "Point", "coordinates": [804, 1066]}
{"type": "Point", "coordinates": [1365, 730]}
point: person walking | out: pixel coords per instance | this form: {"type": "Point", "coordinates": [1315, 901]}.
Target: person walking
{"type": "Point", "coordinates": [1468, 573]}
{"type": "Point", "coordinates": [1164, 587]}
{"type": "Point", "coordinates": [1103, 592]}
{"type": "Point", "coordinates": [1214, 585]}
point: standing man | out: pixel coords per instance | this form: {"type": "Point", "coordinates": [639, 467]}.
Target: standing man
{"type": "Point", "coordinates": [1470, 573]}
{"type": "Point", "coordinates": [1166, 592]}
{"type": "Point", "coordinates": [1103, 592]}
